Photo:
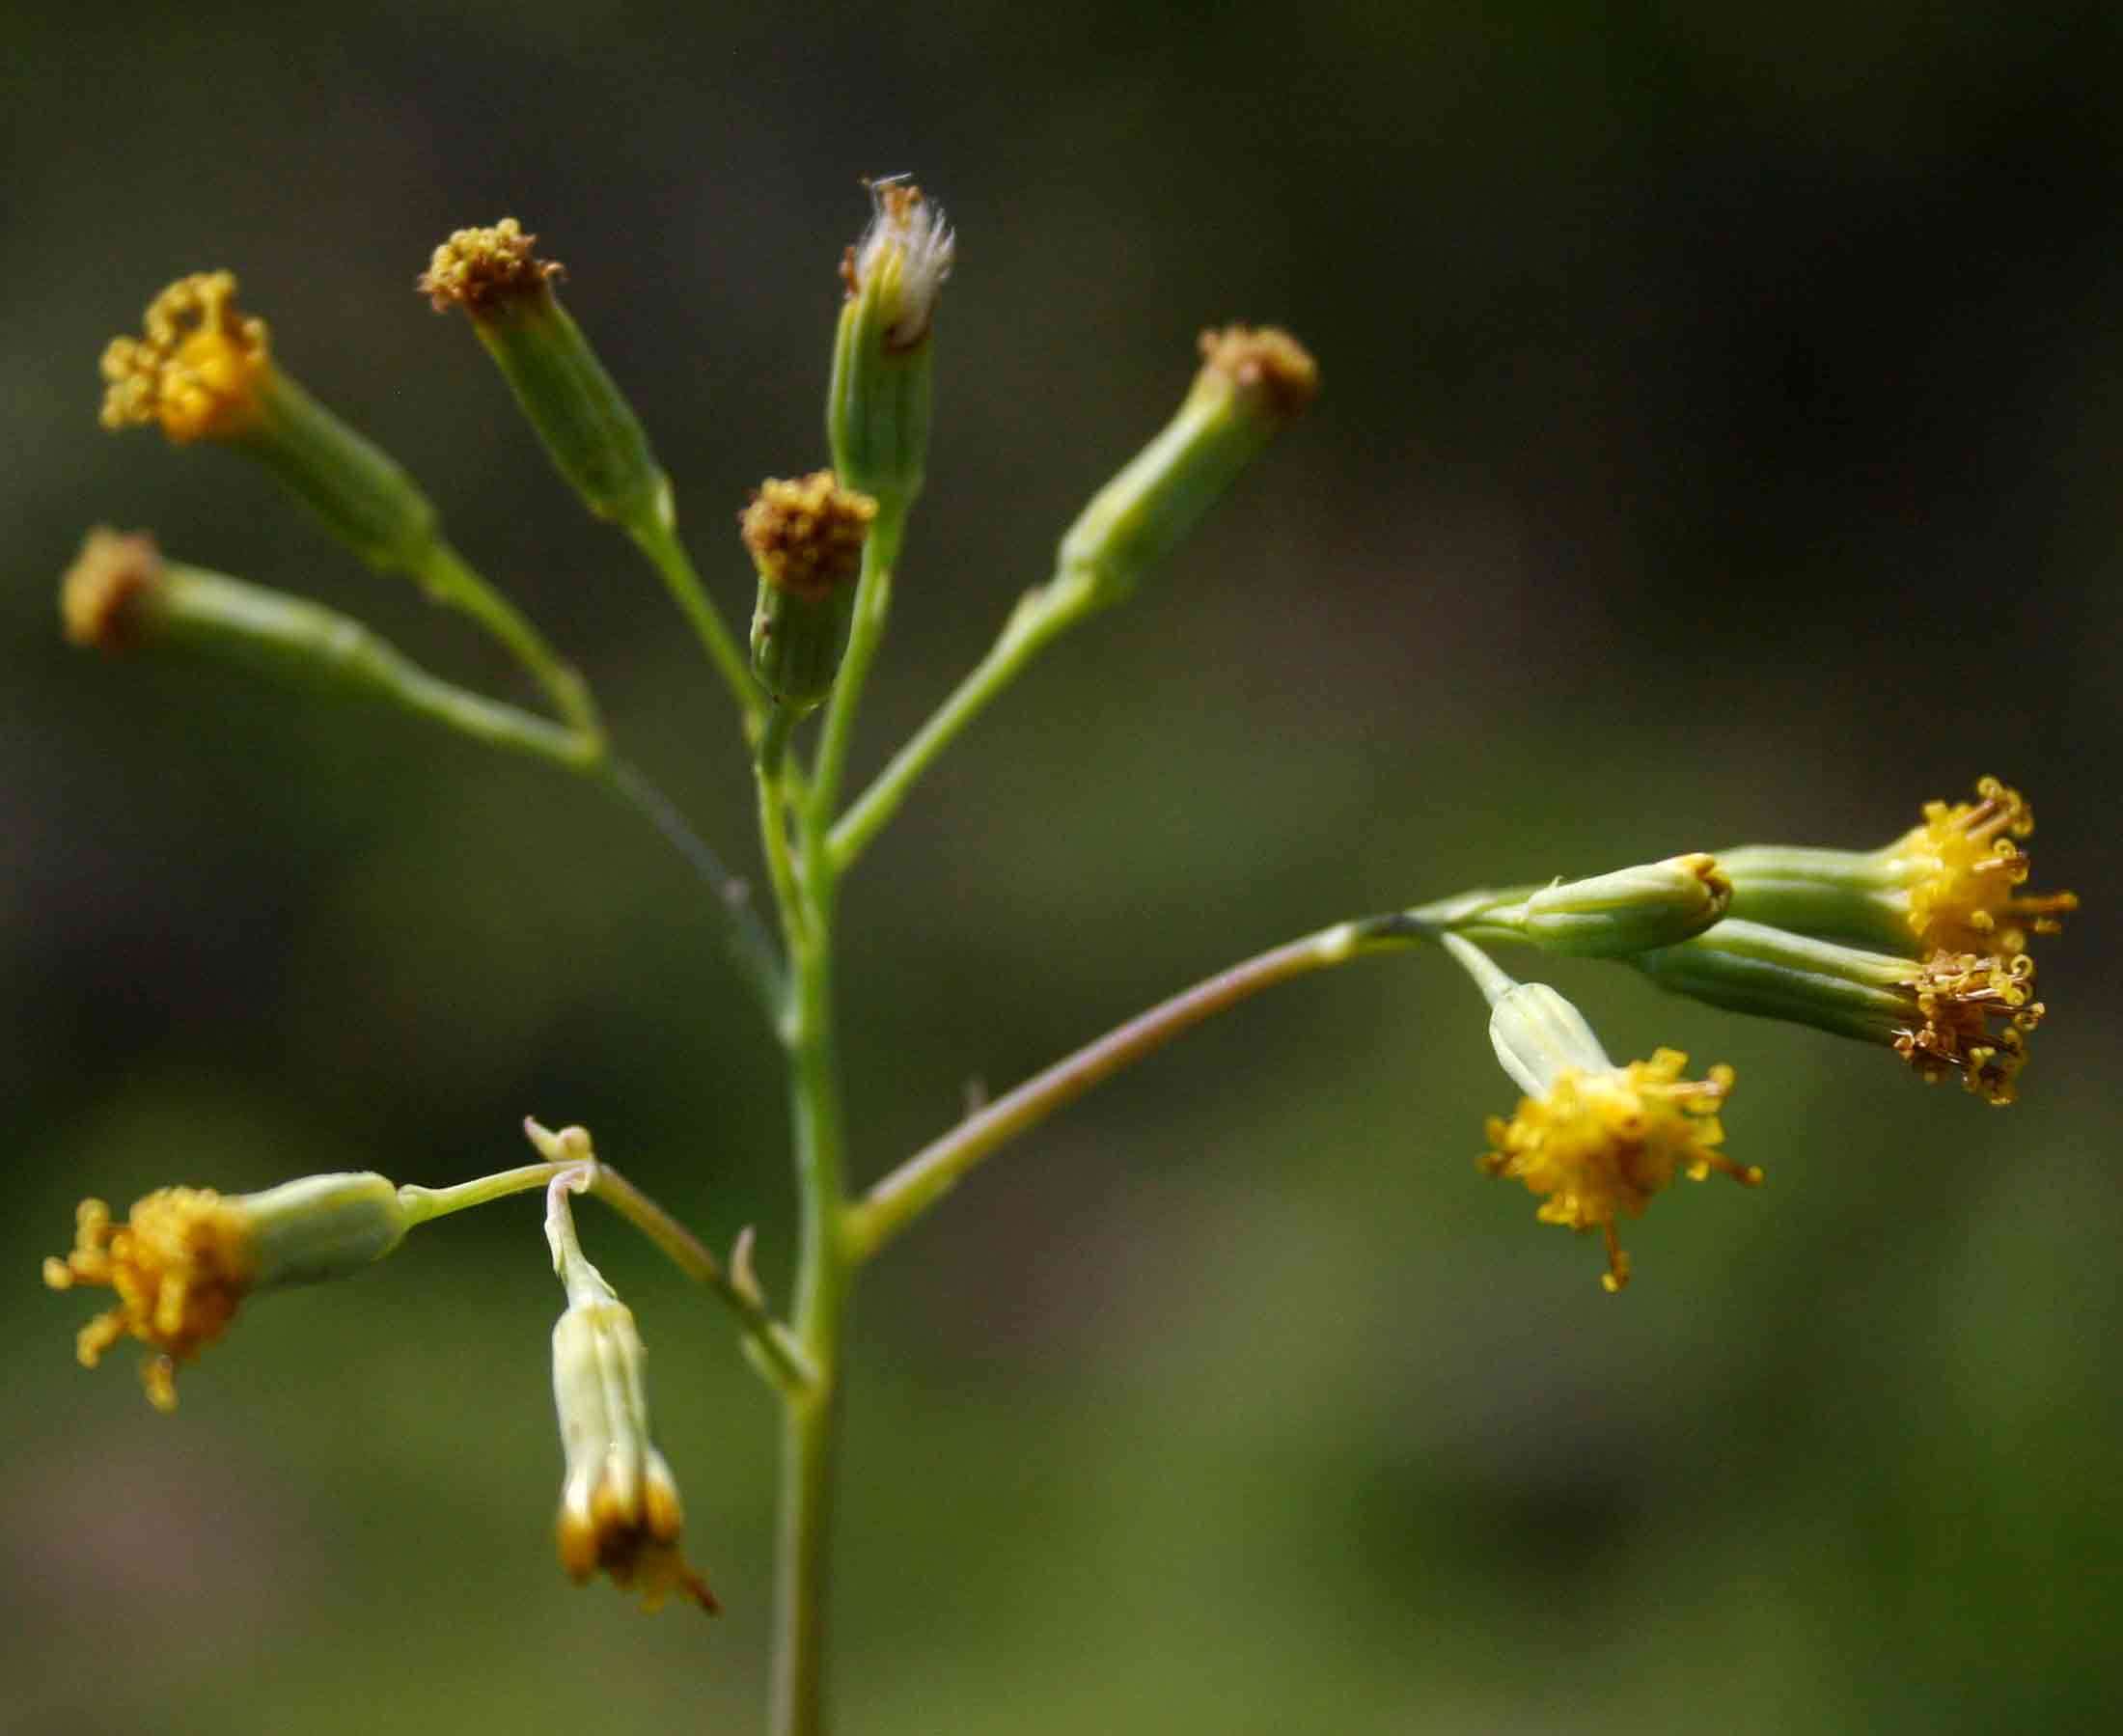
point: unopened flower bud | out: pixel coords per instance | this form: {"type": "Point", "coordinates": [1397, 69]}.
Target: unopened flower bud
{"type": "Point", "coordinates": [1607, 916]}
{"type": "Point", "coordinates": [589, 428]}
{"type": "Point", "coordinates": [806, 539]}
{"type": "Point", "coordinates": [877, 404]}
{"type": "Point", "coordinates": [203, 371]}
{"type": "Point", "coordinates": [1252, 382]}
{"type": "Point", "coordinates": [185, 1258]}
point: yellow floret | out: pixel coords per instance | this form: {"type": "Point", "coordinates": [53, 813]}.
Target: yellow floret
{"type": "Point", "coordinates": [1598, 1146]}
{"type": "Point", "coordinates": [196, 369]}
{"type": "Point", "coordinates": [1964, 871]}
{"type": "Point", "coordinates": [179, 1265]}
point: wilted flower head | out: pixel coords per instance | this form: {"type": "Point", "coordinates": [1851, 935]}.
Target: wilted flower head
{"type": "Point", "coordinates": [902, 260]}
{"type": "Point", "coordinates": [99, 598]}
{"type": "Point", "coordinates": [619, 1510]}
{"type": "Point", "coordinates": [197, 367]}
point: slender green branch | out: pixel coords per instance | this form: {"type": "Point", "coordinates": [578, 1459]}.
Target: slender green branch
{"type": "Point", "coordinates": [296, 637]}
{"type": "Point", "coordinates": [666, 552]}
{"type": "Point", "coordinates": [901, 1198]}
{"type": "Point", "coordinates": [785, 1359]}
{"type": "Point", "coordinates": [745, 934]}
{"type": "Point", "coordinates": [449, 579]}
{"type": "Point", "coordinates": [866, 633]}
{"type": "Point", "coordinates": [1042, 615]}
{"type": "Point", "coordinates": [571, 1148]}
{"type": "Point", "coordinates": [424, 1205]}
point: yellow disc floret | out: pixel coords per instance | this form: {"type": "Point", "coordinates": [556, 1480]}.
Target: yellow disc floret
{"type": "Point", "coordinates": [478, 269]}
{"type": "Point", "coordinates": [806, 533]}
{"type": "Point", "coordinates": [179, 1265]}
{"type": "Point", "coordinates": [1976, 1012]}
{"type": "Point", "coordinates": [1963, 870]}
{"type": "Point", "coordinates": [195, 369]}
{"type": "Point", "coordinates": [1598, 1145]}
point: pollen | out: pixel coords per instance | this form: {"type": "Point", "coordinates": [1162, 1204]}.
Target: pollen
{"type": "Point", "coordinates": [1976, 1012]}
{"type": "Point", "coordinates": [480, 269]}
{"type": "Point", "coordinates": [1964, 866]}
{"type": "Point", "coordinates": [99, 597]}
{"type": "Point", "coordinates": [179, 1265]}
{"type": "Point", "coordinates": [1598, 1145]}
{"type": "Point", "coordinates": [196, 367]}
{"type": "Point", "coordinates": [806, 535]}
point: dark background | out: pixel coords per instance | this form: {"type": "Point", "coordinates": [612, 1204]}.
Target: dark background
{"type": "Point", "coordinates": [1718, 442]}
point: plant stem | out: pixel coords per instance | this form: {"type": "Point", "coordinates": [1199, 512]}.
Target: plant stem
{"type": "Point", "coordinates": [810, 1420]}
{"type": "Point", "coordinates": [660, 542]}
{"type": "Point", "coordinates": [449, 579]}
{"type": "Point", "coordinates": [745, 934]}
{"type": "Point", "coordinates": [1040, 616]}
{"type": "Point", "coordinates": [901, 1198]}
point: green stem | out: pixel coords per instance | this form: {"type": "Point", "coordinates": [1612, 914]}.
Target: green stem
{"type": "Point", "coordinates": [450, 580]}
{"type": "Point", "coordinates": [1488, 976]}
{"type": "Point", "coordinates": [293, 636]}
{"type": "Point", "coordinates": [866, 633]}
{"type": "Point", "coordinates": [744, 933]}
{"type": "Point", "coordinates": [1040, 616]}
{"type": "Point", "coordinates": [570, 1149]}
{"type": "Point", "coordinates": [660, 542]}
{"type": "Point", "coordinates": [424, 1204]}
{"type": "Point", "coordinates": [811, 1420]}
{"type": "Point", "coordinates": [901, 1198]}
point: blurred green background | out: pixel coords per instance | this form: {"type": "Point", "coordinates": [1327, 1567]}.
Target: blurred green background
{"type": "Point", "coordinates": [1720, 442]}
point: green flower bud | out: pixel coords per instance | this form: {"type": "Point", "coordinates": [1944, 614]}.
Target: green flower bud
{"type": "Point", "coordinates": [1609, 916]}
{"type": "Point", "coordinates": [877, 403]}
{"type": "Point", "coordinates": [1252, 382]}
{"type": "Point", "coordinates": [806, 537]}
{"type": "Point", "coordinates": [589, 428]}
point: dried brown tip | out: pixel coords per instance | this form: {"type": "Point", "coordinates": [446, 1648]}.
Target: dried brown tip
{"type": "Point", "coordinates": [806, 535]}
{"type": "Point", "coordinates": [1265, 363]}
{"type": "Point", "coordinates": [99, 598]}
{"type": "Point", "coordinates": [480, 269]}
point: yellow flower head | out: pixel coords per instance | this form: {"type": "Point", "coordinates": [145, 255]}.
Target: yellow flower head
{"type": "Point", "coordinates": [197, 368]}
{"type": "Point", "coordinates": [480, 269]}
{"type": "Point", "coordinates": [179, 1265]}
{"type": "Point", "coordinates": [1977, 1010]}
{"type": "Point", "coordinates": [1598, 1144]}
{"type": "Point", "coordinates": [1964, 871]}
